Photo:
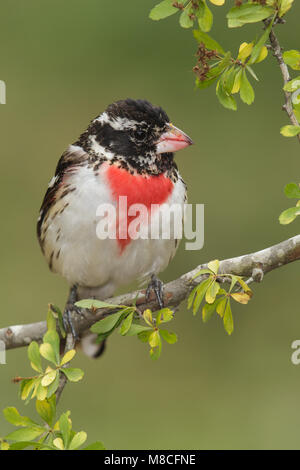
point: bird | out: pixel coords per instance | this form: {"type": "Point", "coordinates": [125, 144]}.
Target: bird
{"type": "Point", "coordinates": [127, 150]}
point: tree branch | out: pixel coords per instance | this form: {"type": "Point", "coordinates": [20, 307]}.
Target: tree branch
{"type": "Point", "coordinates": [288, 105]}
{"type": "Point", "coordinates": [253, 266]}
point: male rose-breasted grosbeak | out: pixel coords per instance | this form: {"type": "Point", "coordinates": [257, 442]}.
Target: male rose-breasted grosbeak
{"type": "Point", "coordinates": [126, 151]}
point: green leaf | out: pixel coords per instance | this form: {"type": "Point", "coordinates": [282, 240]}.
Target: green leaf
{"type": "Point", "coordinates": [207, 311]}
{"type": "Point", "coordinates": [51, 322]}
{"type": "Point", "coordinates": [78, 440]}
{"type": "Point", "coordinates": [205, 17]}
{"type": "Point", "coordinates": [164, 316]}
{"type": "Point", "coordinates": [108, 323]}
{"type": "Point", "coordinates": [27, 387]}
{"type": "Point", "coordinates": [34, 356]}
{"type": "Point", "coordinates": [209, 42]}
{"type": "Point", "coordinates": [292, 191]}
{"type": "Point", "coordinates": [229, 78]}
{"type": "Point", "coordinates": [201, 290]}
{"type": "Point", "coordinates": [68, 357]}
{"type": "Point", "coordinates": [46, 410]}
{"type": "Point", "coordinates": [248, 13]}
{"type": "Point", "coordinates": [163, 10]}
{"type": "Point", "coordinates": [52, 337]}
{"type": "Point", "coordinates": [73, 374]}
{"type": "Point", "coordinates": [95, 446]}
{"type": "Point", "coordinates": [246, 90]}
{"type": "Point", "coordinates": [214, 266]}
{"type": "Point", "coordinates": [58, 442]}
{"type": "Point", "coordinates": [225, 99]}
{"type": "Point", "coordinates": [292, 58]}
{"type": "Point", "coordinates": [289, 215]}
{"type": "Point", "coordinates": [12, 415]}
{"type": "Point", "coordinates": [285, 6]}
{"type": "Point", "coordinates": [290, 131]}
{"type": "Point", "coordinates": [53, 387]}
{"type": "Point", "coordinates": [220, 308]}
{"type": "Point", "coordinates": [126, 324]}
{"type": "Point", "coordinates": [212, 292]}
{"type": "Point", "coordinates": [49, 378]}
{"type": "Point", "coordinates": [260, 44]}
{"type": "Point", "coordinates": [227, 319]}
{"type": "Point", "coordinates": [292, 85]}
{"type": "Point", "coordinates": [155, 352]}
{"type": "Point", "coordinates": [25, 434]}
{"type": "Point", "coordinates": [95, 304]}
{"type": "Point", "coordinates": [47, 352]}
{"type": "Point", "coordinates": [65, 428]}
{"type": "Point", "coordinates": [41, 391]}
{"type": "Point", "coordinates": [154, 339]}
{"type": "Point", "coordinates": [136, 329]}
{"type": "Point", "coordinates": [169, 337]}
{"type": "Point", "coordinates": [185, 21]}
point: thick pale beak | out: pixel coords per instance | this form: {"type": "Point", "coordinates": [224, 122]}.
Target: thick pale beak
{"type": "Point", "coordinates": [173, 139]}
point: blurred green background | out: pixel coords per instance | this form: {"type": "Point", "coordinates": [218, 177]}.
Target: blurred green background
{"type": "Point", "coordinates": [63, 63]}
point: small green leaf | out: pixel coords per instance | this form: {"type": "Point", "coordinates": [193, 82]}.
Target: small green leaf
{"type": "Point", "coordinates": [214, 266]}
{"type": "Point", "coordinates": [289, 215]}
{"type": "Point", "coordinates": [163, 10]}
{"type": "Point", "coordinates": [34, 356]}
{"type": "Point", "coordinates": [148, 317]}
{"type": "Point", "coordinates": [164, 316]}
{"type": "Point", "coordinates": [52, 337]}
{"type": "Point", "coordinates": [205, 17]}
{"type": "Point", "coordinates": [25, 434]}
{"type": "Point", "coordinates": [285, 6]}
{"type": "Point", "coordinates": [108, 323]}
{"type": "Point", "coordinates": [257, 49]}
{"type": "Point", "coordinates": [136, 329]}
{"type": "Point", "coordinates": [51, 322]}
{"type": "Point", "coordinates": [227, 319]}
{"type": "Point", "coordinates": [65, 429]}
{"type": "Point", "coordinates": [73, 374]}
{"type": "Point", "coordinates": [47, 352]}
{"type": "Point", "coordinates": [169, 337]}
{"type": "Point", "coordinates": [53, 387]}
{"type": "Point", "coordinates": [246, 90]}
{"type": "Point", "coordinates": [212, 292]}
{"type": "Point", "coordinates": [12, 415]}
{"type": "Point", "coordinates": [292, 191]}
{"type": "Point", "coordinates": [49, 378]}
{"type": "Point", "coordinates": [185, 21]}
{"type": "Point", "coordinates": [126, 324]}
{"type": "Point", "coordinates": [154, 339]}
{"type": "Point", "coordinates": [292, 85]}
{"type": "Point", "coordinates": [58, 442]}
{"type": "Point", "coordinates": [207, 311]}
{"type": "Point", "coordinates": [46, 410]}
{"type": "Point", "coordinates": [225, 99]}
{"type": "Point", "coordinates": [201, 290]}
{"type": "Point", "coordinates": [27, 387]}
{"type": "Point", "coordinates": [209, 42]}
{"type": "Point", "coordinates": [290, 131]}
{"type": "Point", "coordinates": [94, 304]}
{"type": "Point", "coordinates": [248, 13]}
{"type": "Point", "coordinates": [68, 357]}
{"type": "Point", "coordinates": [220, 309]}
{"type": "Point", "coordinates": [292, 58]}
{"type": "Point", "coordinates": [78, 440]}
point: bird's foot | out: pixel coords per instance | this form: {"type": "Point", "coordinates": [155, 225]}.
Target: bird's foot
{"type": "Point", "coordinates": [157, 286]}
{"type": "Point", "coordinates": [71, 307]}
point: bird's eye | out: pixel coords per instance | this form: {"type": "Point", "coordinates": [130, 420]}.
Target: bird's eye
{"type": "Point", "coordinates": [140, 134]}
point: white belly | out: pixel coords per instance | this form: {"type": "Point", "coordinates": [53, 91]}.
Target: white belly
{"type": "Point", "coordinates": [84, 259]}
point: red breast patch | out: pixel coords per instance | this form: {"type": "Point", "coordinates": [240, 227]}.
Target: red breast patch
{"type": "Point", "coordinates": [154, 189]}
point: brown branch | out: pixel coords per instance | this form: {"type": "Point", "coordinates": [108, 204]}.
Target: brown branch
{"type": "Point", "coordinates": [253, 266]}
{"type": "Point", "coordinates": [288, 105]}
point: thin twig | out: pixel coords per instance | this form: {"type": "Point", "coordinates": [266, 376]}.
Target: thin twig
{"type": "Point", "coordinates": [288, 105]}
